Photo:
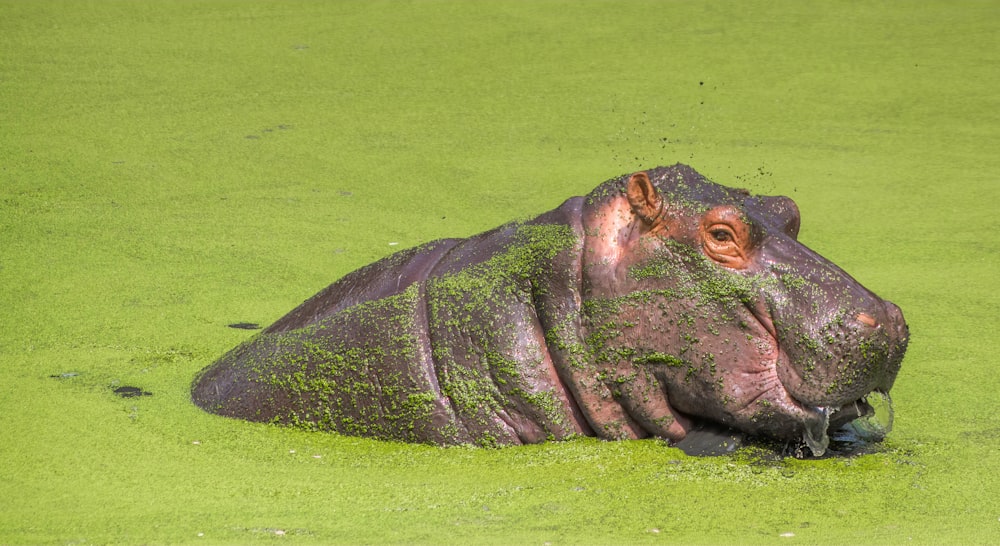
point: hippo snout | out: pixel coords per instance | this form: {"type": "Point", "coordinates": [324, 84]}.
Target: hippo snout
{"type": "Point", "coordinates": [897, 336]}
{"type": "Point", "coordinates": [888, 313]}
{"type": "Point", "coordinates": [885, 319]}
{"type": "Point", "coordinates": [842, 359]}
{"type": "Point", "coordinates": [897, 325]}
{"type": "Point", "coordinates": [840, 370]}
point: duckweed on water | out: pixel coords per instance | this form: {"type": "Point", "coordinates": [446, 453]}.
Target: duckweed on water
{"type": "Point", "coordinates": [137, 219]}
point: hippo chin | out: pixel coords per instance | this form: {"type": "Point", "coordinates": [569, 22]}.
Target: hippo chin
{"type": "Point", "coordinates": [658, 305]}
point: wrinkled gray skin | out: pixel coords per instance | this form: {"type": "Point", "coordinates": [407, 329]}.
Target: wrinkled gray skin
{"type": "Point", "coordinates": [661, 304]}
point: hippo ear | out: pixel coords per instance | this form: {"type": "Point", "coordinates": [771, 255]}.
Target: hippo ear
{"type": "Point", "coordinates": [644, 197]}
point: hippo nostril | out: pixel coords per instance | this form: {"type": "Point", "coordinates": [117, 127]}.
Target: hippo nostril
{"type": "Point", "coordinates": [867, 319]}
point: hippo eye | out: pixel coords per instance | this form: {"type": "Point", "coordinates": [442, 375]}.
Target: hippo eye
{"type": "Point", "coordinates": [722, 235]}
{"type": "Point", "coordinates": [726, 237]}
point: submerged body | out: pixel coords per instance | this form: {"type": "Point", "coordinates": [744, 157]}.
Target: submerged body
{"type": "Point", "coordinates": [657, 303]}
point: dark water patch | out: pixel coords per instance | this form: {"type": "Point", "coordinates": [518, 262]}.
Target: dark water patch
{"type": "Point", "coordinates": [245, 326]}
{"type": "Point", "coordinates": [844, 442]}
{"type": "Point", "coordinates": [126, 391]}
{"type": "Point", "coordinates": [714, 440]}
{"type": "Point", "coordinates": [984, 435]}
{"type": "Point", "coordinates": [265, 130]}
{"type": "Point", "coordinates": [711, 440]}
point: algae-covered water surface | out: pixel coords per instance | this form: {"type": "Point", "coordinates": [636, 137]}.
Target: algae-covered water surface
{"type": "Point", "coordinates": [170, 169]}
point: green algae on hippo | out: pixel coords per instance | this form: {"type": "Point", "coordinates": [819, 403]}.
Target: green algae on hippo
{"type": "Point", "coordinates": [661, 304]}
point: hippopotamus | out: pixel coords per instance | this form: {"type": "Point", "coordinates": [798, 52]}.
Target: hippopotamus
{"type": "Point", "coordinates": [656, 305]}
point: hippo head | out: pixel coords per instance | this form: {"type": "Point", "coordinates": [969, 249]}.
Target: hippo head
{"type": "Point", "coordinates": [704, 292]}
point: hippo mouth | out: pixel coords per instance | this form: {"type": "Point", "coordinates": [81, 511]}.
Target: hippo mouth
{"type": "Point", "coordinates": [852, 426]}
{"type": "Point", "coordinates": [849, 426]}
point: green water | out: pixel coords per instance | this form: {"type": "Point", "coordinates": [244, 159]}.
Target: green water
{"type": "Point", "coordinates": [169, 168]}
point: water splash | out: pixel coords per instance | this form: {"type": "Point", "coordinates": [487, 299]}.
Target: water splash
{"type": "Point", "coordinates": [874, 426]}
{"type": "Point", "coordinates": [816, 437]}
